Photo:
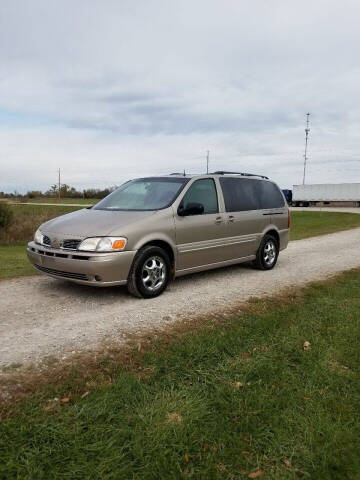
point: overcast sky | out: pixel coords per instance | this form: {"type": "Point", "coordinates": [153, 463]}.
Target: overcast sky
{"type": "Point", "coordinates": [110, 90]}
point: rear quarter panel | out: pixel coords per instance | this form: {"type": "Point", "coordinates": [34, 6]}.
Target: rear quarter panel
{"type": "Point", "coordinates": [279, 222]}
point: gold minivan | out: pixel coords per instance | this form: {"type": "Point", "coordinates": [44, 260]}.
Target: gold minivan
{"type": "Point", "coordinates": [151, 230]}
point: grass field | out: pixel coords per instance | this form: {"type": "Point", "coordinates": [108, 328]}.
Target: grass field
{"type": "Point", "coordinates": [309, 224]}
{"type": "Point", "coordinates": [49, 210]}
{"type": "Point", "coordinates": [14, 262]}
{"type": "Point", "coordinates": [88, 201]}
{"type": "Point", "coordinates": [29, 217]}
{"type": "Point", "coordinates": [233, 398]}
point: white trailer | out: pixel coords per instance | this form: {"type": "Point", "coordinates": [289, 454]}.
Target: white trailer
{"type": "Point", "coordinates": [339, 194]}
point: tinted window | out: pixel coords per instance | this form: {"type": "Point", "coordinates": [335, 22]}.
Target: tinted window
{"type": "Point", "coordinates": [202, 191]}
{"type": "Point", "coordinates": [269, 195]}
{"type": "Point", "coordinates": [143, 194]}
{"type": "Point", "coordinates": [241, 194]}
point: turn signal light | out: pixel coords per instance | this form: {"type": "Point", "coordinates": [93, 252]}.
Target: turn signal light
{"type": "Point", "coordinates": [119, 244]}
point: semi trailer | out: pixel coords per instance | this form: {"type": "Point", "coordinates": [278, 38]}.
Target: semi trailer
{"type": "Point", "coordinates": [336, 194]}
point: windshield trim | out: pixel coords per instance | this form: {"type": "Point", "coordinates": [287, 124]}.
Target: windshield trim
{"type": "Point", "coordinates": [184, 181]}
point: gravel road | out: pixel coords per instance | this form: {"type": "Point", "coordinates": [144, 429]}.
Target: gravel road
{"type": "Point", "coordinates": [41, 317]}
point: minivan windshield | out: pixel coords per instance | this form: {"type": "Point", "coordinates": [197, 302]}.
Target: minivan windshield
{"type": "Point", "coordinates": [144, 194]}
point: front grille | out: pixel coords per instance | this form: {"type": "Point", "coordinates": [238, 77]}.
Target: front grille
{"type": "Point", "coordinates": [46, 241]}
{"type": "Point", "coordinates": [59, 255]}
{"type": "Point", "coordinates": [71, 244]}
{"type": "Point", "coordinates": [59, 273]}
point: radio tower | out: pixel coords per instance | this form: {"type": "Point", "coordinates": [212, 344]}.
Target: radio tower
{"type": "Point", "coordinates": [307, 130]}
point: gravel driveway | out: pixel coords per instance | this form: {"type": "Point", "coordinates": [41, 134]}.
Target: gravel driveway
{"type": "Point", "coordinates": [40, 316]}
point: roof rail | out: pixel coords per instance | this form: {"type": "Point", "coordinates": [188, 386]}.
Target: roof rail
{"type": "Point", "coordinates": [223, 172]}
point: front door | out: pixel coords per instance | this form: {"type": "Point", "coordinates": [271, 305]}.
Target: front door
{"type": "Point", "coordinates": [200, 238]}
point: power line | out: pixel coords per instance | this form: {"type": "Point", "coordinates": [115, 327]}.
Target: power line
{"type": "Point", "coordinates": [307, 130]}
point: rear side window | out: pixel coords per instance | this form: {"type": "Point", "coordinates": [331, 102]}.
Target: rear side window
{"type": "Point", "coordinates": [239, 194]}
{"type": "Point", "coordinates": [242, 194]}
{"type": "Point", "coordinates": [269, 195]}
{"type": "Point", "coordinates": [202, 191]}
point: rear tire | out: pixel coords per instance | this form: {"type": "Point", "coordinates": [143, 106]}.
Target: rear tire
{"type": "Point", "coordinates": [267, 254]}
{"type": "Point", "coordinates": [150, 272]}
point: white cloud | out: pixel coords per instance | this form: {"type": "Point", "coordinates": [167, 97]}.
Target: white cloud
{"type": "Point", "coordinates": [107, 90]}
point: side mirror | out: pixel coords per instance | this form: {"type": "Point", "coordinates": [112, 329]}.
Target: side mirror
{"type": "Point", "coordinates": [192, 208]}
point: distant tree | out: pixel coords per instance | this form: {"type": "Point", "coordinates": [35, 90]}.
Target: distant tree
{"type": "Point", "coordinates": [34, 194]}
{"type": "Point", "coordinates": [97, 193]}
{"type": "Point", "coordinates": [53, 191]}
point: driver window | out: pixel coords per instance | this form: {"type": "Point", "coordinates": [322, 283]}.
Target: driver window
{"type": "Point", "coordinates": [202, 191]}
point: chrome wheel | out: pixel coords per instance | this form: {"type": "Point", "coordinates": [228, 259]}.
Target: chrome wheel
{"type": "Point", "coordinates": [153, 273]}
{"type": "Point", "coordinates": [269, 252]}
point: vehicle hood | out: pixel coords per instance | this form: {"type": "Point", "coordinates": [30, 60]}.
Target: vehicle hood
{"type": "Point", "coordinates": [92, 223]}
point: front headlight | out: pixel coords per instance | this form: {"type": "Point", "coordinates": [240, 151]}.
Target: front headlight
{"type": "Point", "coordinates": [103, 244]}
{"type": "Point", "coordinates": [38, 237]}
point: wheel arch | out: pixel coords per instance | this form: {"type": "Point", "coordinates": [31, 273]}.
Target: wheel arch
{"type": "Point", "coordinates": [273, 232]}
{"type": "Point", "coordinates": [163, 243]}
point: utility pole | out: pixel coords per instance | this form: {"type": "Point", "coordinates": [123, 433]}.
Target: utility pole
{"type": "Point", "coordinates": [59, 183]}
{"type": "Point", "coordinates": [307, 130]}
{"type": "Point", "coordinates": [207, 161]}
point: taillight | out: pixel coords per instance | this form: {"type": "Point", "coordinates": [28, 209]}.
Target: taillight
{"type": "Point", "coordinates": [288, 218]}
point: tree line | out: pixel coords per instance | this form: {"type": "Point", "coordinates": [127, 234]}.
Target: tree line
{"type": "Point", "coordinates": [65, 192]}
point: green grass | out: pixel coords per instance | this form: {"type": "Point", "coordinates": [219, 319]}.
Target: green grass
{"type": "Point", "coordinates": [178, 410]}
{"type": "Point", "coordinates": [88, 201]}
{"type": "Point", "coordinates": [309, 224]}
{"type": "Point", "coordinates": [14, 262]}
{"type": "Point", "coordinates": [29, 217]}
{"type": "Point", "coordinates": [35, 210]}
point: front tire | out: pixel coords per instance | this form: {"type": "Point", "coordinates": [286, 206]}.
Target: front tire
{"type": "Point", "coordinates": [267, 253]}
{"type": "Point", "coordinates": [150, 272]}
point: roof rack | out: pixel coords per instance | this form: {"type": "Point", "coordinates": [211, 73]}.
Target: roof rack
{"type": "Point", "coordinates": [223, 172]}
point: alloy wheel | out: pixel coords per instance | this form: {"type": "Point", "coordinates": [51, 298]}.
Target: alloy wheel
{"type": "Point", "coordinates": [269, 252]}
{"type": "Point", "coordinates": [153, 273]}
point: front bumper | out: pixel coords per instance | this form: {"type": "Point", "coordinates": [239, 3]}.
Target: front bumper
{"type": "Point", "coordinates": [88, 268]}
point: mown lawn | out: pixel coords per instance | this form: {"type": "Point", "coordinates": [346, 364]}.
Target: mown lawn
{"type": "Point", "coordinates": [310, 224]}
{"type": "Point", "coordinates": [235, 398]}
{"type": "Point", "coordinates": [13, 259]}
{"type": "Point", "coordinates": [14, 262]}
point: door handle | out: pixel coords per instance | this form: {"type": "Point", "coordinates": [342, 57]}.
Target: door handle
{"type": "Point", "coordinates": [218, 220]}
{"type": "Point", "coordinates": [274, 213]}
{"type": "Point", "coordinates": [231, 218]}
